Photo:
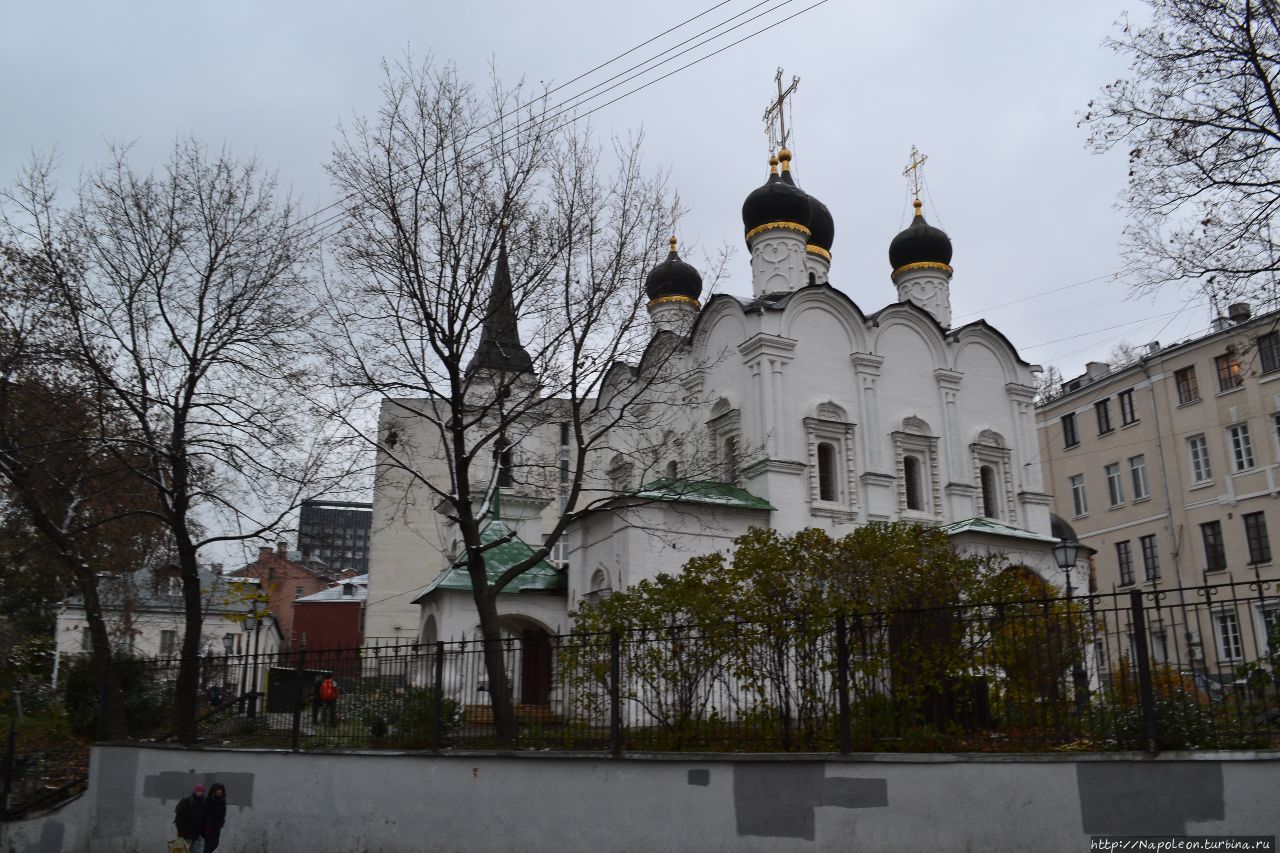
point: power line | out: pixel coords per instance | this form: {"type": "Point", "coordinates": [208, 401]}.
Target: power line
{"type": "Point", "coordinates": [559, 111]}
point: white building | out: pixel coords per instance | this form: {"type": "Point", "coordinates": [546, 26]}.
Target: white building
{"type": "Point", "coordinates": [806, 411]}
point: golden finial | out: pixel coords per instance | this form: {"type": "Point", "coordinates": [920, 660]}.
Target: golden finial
{"type": "Point", "coordinates": [917, 204]}
{"type": "Point", "coordinates": [785, 157]}
{"type": "Point", "coordinates": [912, 172]}
{"type": "Point", "coordinates": [673, 244]}
{"type": "Point", "coordinates": [773, 165]}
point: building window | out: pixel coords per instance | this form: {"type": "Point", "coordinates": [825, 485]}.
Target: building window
{"type": "Point", "coordinates": [829, 448]}
{"type": "Point", "coordinates": [1150, 558]}
{"type": "Point", "coordinates": [504, 465]}
{"type": "Point", "coordinates": [1079, 499]}
{"type": "Point", "coordinates": [827, 490]}
{"type": "Point", "coordinates": [1201, 471]}
{"type": "Point", "coordinates": [1229, 375]}
{"type": "Point", "coordinates": [989, 502]}
{"type": "Point", "coordinates": [1115, 486]}
{"type": "Point", "coordinates": [1127, 415]}
{"type": "Point", "coordinates": [174, 589]}
{"type": "Point", "coordinates": [1102, 409]}
{"type": "Point", "coordinates": [1124, 557]}
{"type": "Point", "coordinates": [911, 478]}
{"type": "Point", "coordinates": [1215, 555]}
{"type": "Point", "coordinates": [1070, 438]}
{"type": "Point", "coordinates": [1241, 447]}
{"type": "Point", "coordinates": [564, 453]}
{"type": "Point", "coordinates": [168, 640]}
{"type": "Point", "coordinates": [1269, 352]}
{"type": "Point", "coordinates": [1227, 630]}
{"type": "Point", "coordinates": [1138, 474]}
{"type": "Point", "coordinates": [731, 459]}
{"type": "Point", "coordinates": [1255, 534]}
{"type": "Point", "coordinates": [299, 591]}
{"type": "Point", "coordinates": [673, 470]}
{"type": "Point", "coordinates": [86, 640]}
{"type": "Point", "coordinates": [1188, 389]}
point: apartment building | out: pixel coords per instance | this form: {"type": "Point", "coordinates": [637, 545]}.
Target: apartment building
{"type": "Point", "coordinates": [1169, 466]}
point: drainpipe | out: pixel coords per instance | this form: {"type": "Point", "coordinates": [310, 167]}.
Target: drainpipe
{"type": "Point", "coordinates": [1176, 549]}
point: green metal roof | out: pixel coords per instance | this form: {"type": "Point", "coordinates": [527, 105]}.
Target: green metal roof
{"type": "Point", "coordinates": [993, 528]}
{"type": "Point", "coordinates": [702, 492]}
{"type": "Point", "coordinates": [543, 577]}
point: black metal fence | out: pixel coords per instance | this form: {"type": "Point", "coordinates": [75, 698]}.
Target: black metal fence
{"type": "Point", "coordinates": [1144, 669]}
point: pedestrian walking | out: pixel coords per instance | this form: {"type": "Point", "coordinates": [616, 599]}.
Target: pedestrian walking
{"type": "Point", "coordinates": [326, 700]}
{"type": "Point", "coordinates": [189, 817]}
{"type": "Point", "coordinates": [215, 815]}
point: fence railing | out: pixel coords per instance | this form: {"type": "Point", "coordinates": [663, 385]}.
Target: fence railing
{"type": "Point", "coordinates": [1145, 669]}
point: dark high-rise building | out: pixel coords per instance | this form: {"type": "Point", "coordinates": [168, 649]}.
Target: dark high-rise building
{"type": "Point", "coordinates": [336, 533]}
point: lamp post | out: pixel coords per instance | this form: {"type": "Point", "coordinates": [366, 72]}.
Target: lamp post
{"type": "Point", "coordinates": [1066, 553]}
{"type": "Point", "coordinates": [253, 688]}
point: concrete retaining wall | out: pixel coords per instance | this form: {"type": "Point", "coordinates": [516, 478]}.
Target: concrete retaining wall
{"type": "Point", "coordinates": [283, 802]}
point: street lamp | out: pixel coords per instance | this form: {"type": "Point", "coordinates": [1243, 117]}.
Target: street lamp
{"type": "Point", "coordinates": [1066, 553]}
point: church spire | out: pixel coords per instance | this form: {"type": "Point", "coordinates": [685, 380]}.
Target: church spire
{"type": "Point", "coordinates": [500, 348]}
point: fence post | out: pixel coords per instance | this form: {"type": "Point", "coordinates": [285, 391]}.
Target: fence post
{"type": "Point", "coordinates": [295, 735]}
{"type": "Point", "coordinates": [842, 682]}
{"type": "Point", "coordinates": [615, 694]}
{"type": "Point", "coordinates": [1145, 692]}
{"type": "Point", "coordinates": [437, 724]}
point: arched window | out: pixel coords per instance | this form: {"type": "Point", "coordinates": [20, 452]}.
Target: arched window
{"type": "Point", "coordinates": [731, 459]}
{"type": "Point", "coordinates": [989, 505]}
{"type": "Point", "coordinates": [827, 488]}
{"type": "Point", "coordinates": [673, 471]}
{"type": "Point", "coordinates": [504, 465]}
{"type": "Point", "coordinates": [911, 481]}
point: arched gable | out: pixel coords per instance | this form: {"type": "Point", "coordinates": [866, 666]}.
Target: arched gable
{"type": "Point", "coordinates": [831, 302]}
{"type": "Point", "coordinates": [987, 338]}
{"type": "Point", "coordinates": [722, 309]}
{"type": "Point", "coordinates": [906, 315]}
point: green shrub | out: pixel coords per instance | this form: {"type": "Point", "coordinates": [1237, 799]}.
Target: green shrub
{"type": "Point", "coordinates": [148, 702]}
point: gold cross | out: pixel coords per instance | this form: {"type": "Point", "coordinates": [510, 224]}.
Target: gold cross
{"type": "Point", "coordinates": [913, 170]}
{"type": "Point", "coordinates": [778, 137]}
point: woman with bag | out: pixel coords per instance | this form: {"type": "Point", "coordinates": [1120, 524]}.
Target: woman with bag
{"type": "Point", "coordinates": [215, 815]}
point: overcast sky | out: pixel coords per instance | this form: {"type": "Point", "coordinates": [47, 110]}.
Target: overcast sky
{"type": "Point", "coordinates": [990, 91]}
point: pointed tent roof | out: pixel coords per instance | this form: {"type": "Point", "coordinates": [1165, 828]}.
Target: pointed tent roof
{"type": "Point", "coordinates": [543, 577]}
{"type": "Point", "coordinates": [500, 348]}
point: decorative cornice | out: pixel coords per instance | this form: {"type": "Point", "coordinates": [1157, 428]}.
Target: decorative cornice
{"type": "Point", "coordinates": [1021, 393]}
{"type": "Point", "coordinates": [815, 249]}
{"type": "Point", "coordinates": [780, 226]}
{"type": "Point", "coordinates": [947, 378]}
{"type": "Point", "coordinates": [865, 362]}
{"type": "Point", "coordinates": [766, 344]}
{"type": "Point", "coordinates": [675, 300]}
{"type": "Point", "coordinates": [776, 466]}
{"type": "Point", "coordinates": [1039, 498]}
{"type": "Point", "coordinates": [945, 269]}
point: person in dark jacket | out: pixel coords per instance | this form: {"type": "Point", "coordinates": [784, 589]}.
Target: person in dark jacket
{"type": "Point", "coordinates": [189, 817]}
{"type": "Point", "coordinates": [215, 815]}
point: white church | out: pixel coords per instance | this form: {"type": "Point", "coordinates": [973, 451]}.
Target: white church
{"type": "Point", "coordinates": [805, 411]}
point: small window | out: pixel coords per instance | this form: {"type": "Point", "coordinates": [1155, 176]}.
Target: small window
{"type": "Point", "coordinates": [298, 591]}
{"type": "Point", "coordinates": [989, 502]}
{"type": "Point", "coordinates": [1079, 500]}
{"type": "Point", "coordinates": [1255, 533]}
{"type": "Point", "coordinates": [1229, 374]}
{"type": "Point", "coordinates": [1124, 558]}
{"type": "Point", "coordinates": [1070, 438]}
{"type": "Point", "coordinates": [1150, 558]}
{"type": "Point", "coordinates": [1127, 415]}
{"type": "Point", "coordinates": [564, 435]}
{"type": "Point", "coordinates": [168, 642]}
{"type": "Point", "coordinates": [1201, 470]}
{"type": "Point", "coordinates": [1215, 555]}
{"type": "Point", "coordinates": [174, 589]}
{"type": "Point", "coordinates": [731, 459]}
{"type": "Point", "coordinates": [1138, 474]}
{"type": "Point", "coordinates": [1115, 485]}
{"type": "Point", "coordinates": [1188, 389]}
{"type": "Point", "coordinates": [1102, 409]}
{"type": "Point", "coordinates": [827, 489]}
{"type": "Point", "coordinates": [1227, 630]}
{"type": "Point", "coordinates": [1269, 352]}
{"type": "Point", "coordinates": [911, 478]}
{"type": "Point", "coordinates": [673, 471]}
{"type": "Point", "coordinates": [1241, 447]}
{"type": "Point", "coordinates": [504, 467]}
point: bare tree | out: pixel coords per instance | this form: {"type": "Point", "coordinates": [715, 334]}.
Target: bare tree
{"type": "Point", "coordinates": [59, 478]}
{"type": "Point", "coordinates": [493, 273]}
{"type": "Point", "coordinates": [188, 307]}
{"type": "Point", "coordinates": [1200, 117]}
{"type": "Point", "coordinates": [1048, 384]}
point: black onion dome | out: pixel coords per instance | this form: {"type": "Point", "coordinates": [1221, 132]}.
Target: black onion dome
{"type": "Point", "coordinates": [920, 242]}
{"type": "Point", "coordinates": [673, 277]}
{"type": "Point", "coordinates": [779, 200]}
{"type": "Point", "coordinates": [822, 226]}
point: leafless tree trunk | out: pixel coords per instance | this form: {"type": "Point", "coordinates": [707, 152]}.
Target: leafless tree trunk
{"type": "Point", "coordinates": [492, 285]}
{"type": "Point", "coordinates": [188, 307]}
{"type": "Point", "coordinates": [1200, 117]}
